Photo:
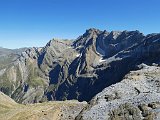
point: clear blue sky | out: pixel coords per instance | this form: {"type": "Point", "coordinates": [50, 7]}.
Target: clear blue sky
{"type": "Point", "coordinates": [35, 22]}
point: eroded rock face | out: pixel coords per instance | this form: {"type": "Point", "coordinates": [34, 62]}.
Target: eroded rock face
{"type": "Point", "coordinates": [77, 69]}
{"type": "Point", "coordinates": [136, 97]}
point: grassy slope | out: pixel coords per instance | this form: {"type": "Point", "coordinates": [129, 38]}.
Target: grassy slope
{"type": "Point", "coordinates": [65, 110]}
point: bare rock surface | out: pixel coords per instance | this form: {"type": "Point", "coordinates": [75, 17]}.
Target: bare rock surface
{"type": "Point", "coordinates": [136, 97]}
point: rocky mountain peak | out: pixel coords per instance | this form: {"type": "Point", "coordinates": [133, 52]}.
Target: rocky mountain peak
{"type": "Point", "coordinates": [31, 53]}
{"type": "Point", "coordinates": [92, 31]}
{"type": "Point", "coordinates": [87, 38]}
{"type": "Point", "coordinates": [56, 41]}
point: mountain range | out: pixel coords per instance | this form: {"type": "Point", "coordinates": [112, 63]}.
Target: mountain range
{"type": "Point", "coordinates": [116, 72]}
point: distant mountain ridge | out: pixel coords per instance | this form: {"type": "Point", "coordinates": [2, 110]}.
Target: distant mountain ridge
{"type": "Point", "coordinates": [7, 56]}
{"type": "Point", "coordinates": [77, 69]}
{"type": "Point", "coordinates": [6, 51]}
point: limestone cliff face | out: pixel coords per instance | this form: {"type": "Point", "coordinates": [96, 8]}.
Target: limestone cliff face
{"type": "Point", "coordinates": [77, 69]}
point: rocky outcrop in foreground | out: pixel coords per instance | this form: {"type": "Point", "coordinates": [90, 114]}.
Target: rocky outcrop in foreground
{"type": "Point", "coordinates": [136, 97]}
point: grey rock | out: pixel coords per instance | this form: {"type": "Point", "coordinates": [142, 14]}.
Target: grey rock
{"type": "Point", "coordinates": [136, 97]}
